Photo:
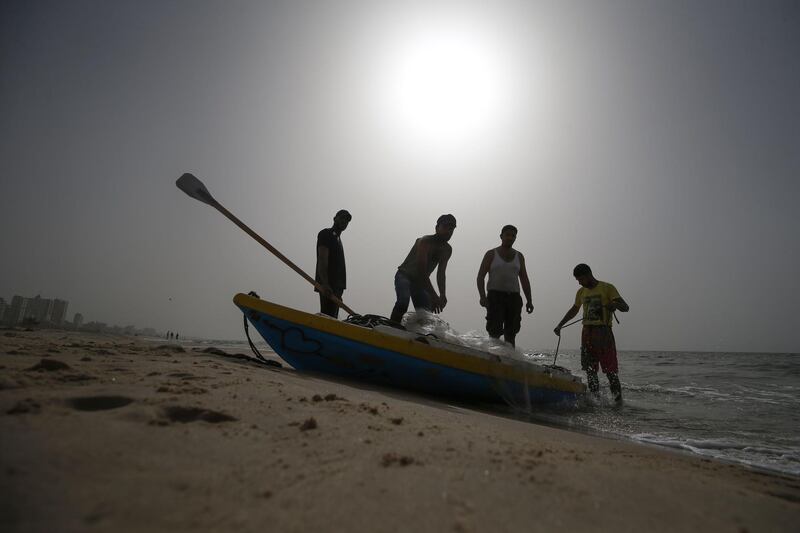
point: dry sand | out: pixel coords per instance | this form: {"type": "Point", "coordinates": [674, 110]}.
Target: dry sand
{"type": "Point", "coordinates": [113, 433]}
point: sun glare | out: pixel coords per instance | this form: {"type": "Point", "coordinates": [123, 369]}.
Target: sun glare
{"type": "Point", "coordinates": [443, 88]}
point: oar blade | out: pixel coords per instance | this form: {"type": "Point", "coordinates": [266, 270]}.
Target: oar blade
{"type": "Point", "coordinates": [192, 186]}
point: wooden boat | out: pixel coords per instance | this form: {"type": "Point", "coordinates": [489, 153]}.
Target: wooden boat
{"type": "Point", "coordinates": [394, 357]}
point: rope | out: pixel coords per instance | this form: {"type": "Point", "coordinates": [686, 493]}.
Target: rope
{"type": "Point", "coordinates": [556, 355]}
{"type": "Point", "coordinates": [371, 321]}
{"type": "Point", "coordinates": [260, 359]}
{"type": "Point", "coordinates": [559, 338]}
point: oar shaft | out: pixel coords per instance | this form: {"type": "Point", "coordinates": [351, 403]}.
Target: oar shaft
{"type": "Point", "coordinates": [278, 254]}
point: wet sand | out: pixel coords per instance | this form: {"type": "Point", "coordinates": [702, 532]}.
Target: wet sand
{"type": "Point", "coordinates": [101, 432]}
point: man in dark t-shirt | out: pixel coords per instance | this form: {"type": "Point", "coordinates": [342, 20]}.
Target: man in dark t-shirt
{"type": "Point", "coordinates": [331, 272]}
{"type": "Point", "coordinates": [412, 281]}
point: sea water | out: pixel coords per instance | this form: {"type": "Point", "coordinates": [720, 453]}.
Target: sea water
{"type": "Point", "coordinates": [739, 407]}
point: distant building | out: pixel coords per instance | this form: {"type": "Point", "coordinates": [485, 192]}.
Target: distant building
{"type": "Point", "coordinates": [37, 310]}
{"type": "Point", "coordinates": [3, 307]}
{"type": "Point", "coordinates": [17, 311]}
{"type": "Point", "coordinates": [77, 322]}
{"type": "Point", "coordinates": [59, 312]}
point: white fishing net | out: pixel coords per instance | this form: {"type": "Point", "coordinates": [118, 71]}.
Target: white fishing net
{"type": "Point", "coordinates": [516, 394]}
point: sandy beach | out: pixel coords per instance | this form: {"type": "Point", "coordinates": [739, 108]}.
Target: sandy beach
{"type": "Point", "coordinates": [105, 433]}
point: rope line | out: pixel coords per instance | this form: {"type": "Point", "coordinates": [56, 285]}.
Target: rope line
{"type": "Point", "coordinates": [371, 321]}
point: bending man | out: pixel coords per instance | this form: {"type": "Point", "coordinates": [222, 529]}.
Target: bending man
{"type": "Point", "coordinates": [412, 281]}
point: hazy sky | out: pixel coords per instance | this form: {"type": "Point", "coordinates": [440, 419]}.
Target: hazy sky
{"type": "Point", "coordinates": [658, 142]}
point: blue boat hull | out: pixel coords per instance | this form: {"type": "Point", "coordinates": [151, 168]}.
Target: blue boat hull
{"type": "Point", "coordinates": [343, 351]}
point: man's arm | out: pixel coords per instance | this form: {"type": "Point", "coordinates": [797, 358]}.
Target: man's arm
{"type": "Point", "coordinates": [567, 317]}
{"type": "Point", "coordinates": [322, 267]}
{"type": "Point", "coordinates": [486, 263]}
{"type": "Point", "coordinates": [422, 269]}
{"type": "Point", "coordinates": [422, 257]}
{"type": "Point", "coordinates": [618, 304]}
{"type": "Point", "coordinates": [441, 279]}
{"type": "Point", "coordinates": [526, 284]}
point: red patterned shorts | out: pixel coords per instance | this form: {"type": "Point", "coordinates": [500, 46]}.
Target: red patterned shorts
{"type": "Point", "coordinates": [598, 349]}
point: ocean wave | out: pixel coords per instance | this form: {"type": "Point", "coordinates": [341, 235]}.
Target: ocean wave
{"type": "Point", "coordinates": [775, 458]}
{"type": "Point", "coordinates": [537, 355]}
{"type": "Point", "coordinates": [687, 390]}
{"type": "Point", "coordinates": [706, 444]}
{"type": "Point", "coordinates": [742, 395]}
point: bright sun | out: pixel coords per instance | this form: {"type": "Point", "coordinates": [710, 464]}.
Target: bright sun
{"type": "Point", "coordinates": [443, 88]}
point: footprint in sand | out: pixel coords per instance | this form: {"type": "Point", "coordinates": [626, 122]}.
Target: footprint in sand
{"type": "Point", "coordinates": [390, 459]}
{"type": "Point", "coordinates": [171, 348]}
{"type": "Point", "coordinates": [98, 403]}
{"type": "Point", "coordinates": [185, 376]}
{"type": "Point", "coordinates": [49, 365]}
{"type": "Point", "coordinates": [75, 377]}
{"type": "Point", "coordinates": [215, 351]}
{"type": "Point", "coordinates": [177, 413]}
{"type": "Point", "coordinates": [311, 423]}
{"type": "Point", "coordinates": [27, 405]}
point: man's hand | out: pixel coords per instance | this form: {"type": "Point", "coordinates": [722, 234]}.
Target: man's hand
{"type": "Point", "coordinates": [619, 305]}
{"type": "Point", "coordinates": [483, 301]}
{"type": "Point", "coordinates": [529, 307]}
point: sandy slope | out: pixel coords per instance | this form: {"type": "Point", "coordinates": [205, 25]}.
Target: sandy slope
{"type": "Point", "coordinates": [131, 436]}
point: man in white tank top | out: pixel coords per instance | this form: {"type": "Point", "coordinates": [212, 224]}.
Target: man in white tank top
{"type": "Point", "coordinates": [506, 269]}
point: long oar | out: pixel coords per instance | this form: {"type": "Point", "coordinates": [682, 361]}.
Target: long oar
{"type": "Point", "coordinates": [195, 188]}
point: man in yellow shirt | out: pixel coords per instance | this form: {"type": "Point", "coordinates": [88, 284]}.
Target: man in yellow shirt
{"type": "Point", "coordinates": [598, 348]}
